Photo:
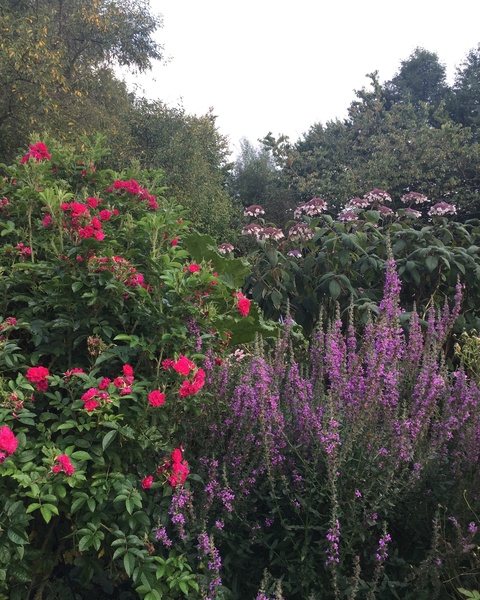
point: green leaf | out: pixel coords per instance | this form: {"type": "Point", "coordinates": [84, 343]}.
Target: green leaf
{"type": "Point", "coordinates": [334, 289]}
{"type": "Point", "coordinates": [129, 563]}
{"type": "Point", "coordinates": [46, 512]}
{"type": "Point", "coordinates": [108, 438]}
{"type": "Point", "coordinates": [81, 455]}
{"type": "Point", "coordinates": [183, 586]}
{"type": "Point", "coordinates": [431, 263]}
{"type": "Point", "coordinates": [78, 503]}
{"type": "Point", "coordinates": [77, 285]}
{"type": "Point", "coordinates": [17, 536]}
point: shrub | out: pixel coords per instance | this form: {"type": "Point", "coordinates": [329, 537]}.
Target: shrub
{"type": "Point", "coordinates": [107, 319]}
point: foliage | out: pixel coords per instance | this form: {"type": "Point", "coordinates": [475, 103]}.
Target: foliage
{"type": "Point", "coordinates": [421, 79]}
{"type": "Point", "coordinates": [351, 474]}
{"type": "Point", "coordinates": [106, 320]}
{"type": "Point", "coordinates": [399, 144]}
{"type": "Point", "coordinates": [320, 261]}
{"type": "Point", "coordinates": [55, 59]}
{"type": "Point", "coordinates": [464, 104]}
{"type": "Point", "coordinates": [193, 155]}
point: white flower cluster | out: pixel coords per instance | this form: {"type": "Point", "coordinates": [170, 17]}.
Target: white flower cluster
{"type": "Point", "coordinates": [442, 208]}
{"type": "Point", "coordinates": [347, 215]}
{"type": "Point", "coordinates": [414, 198]}
{"type": "Point", "coordinates": [253, 211]}
{"type": "Point", "coordinates": [271, 233]}
{"type": "Point", "coordinates": [356, 203]}
{"type": "Point", "coordinates": [225, 248]}
{"type": "Point", "coordinates": [252, 229]}
{"type": "Point", "coordinates": [411, 212]}
{"type": "Point", "coordinates": [385, 211]}
{"type": "Point", "coordinates": [377, 195]}
{"type": "Point", "coordinates": [313, 207]}
{"type": "Point", "coordinates": [300, 231]}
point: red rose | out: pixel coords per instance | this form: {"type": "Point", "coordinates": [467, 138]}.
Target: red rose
{"type": "Point", "coordinates": [156, 398]}
{"type": "Point", "coordinates": [8, 441]}
{"type": "Point", "coordinates": [147, 482]}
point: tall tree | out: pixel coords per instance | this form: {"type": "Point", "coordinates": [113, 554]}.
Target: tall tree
{"type": "Point", "coordinates": [420, 79]}
{"type": "Point", "coordinates": [251, 174]}
{"type": "Point", "coordinates": [465, 104]}
{"type": "Point", "coordinates": [194, 156]}
{"type": "Point", "coordinates": [55, 53]}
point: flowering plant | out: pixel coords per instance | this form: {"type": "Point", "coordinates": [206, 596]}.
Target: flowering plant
{"type": "Point", "coordinates": [91, 423]}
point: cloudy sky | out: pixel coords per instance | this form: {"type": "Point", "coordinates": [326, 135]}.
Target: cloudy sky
{"type": "Point", "coordinates": [268, 65]}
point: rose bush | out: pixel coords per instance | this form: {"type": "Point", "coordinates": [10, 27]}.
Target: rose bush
{"type": "Point", "coordinates": [107, 316]}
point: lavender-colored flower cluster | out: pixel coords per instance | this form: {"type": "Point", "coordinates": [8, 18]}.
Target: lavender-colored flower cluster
{"type": "Point", "coordinates": [254, 211]}
{"type": "Point", "coordinates": [379, 409]}
{"type": "Point", "coordinates": [414, 198]}
{"type": "Point", "coordinates": [207, 549]}
{"type": "Point", "coordinates": [377, 196]}
{"type": "Point", "coordinates": [300, 231]}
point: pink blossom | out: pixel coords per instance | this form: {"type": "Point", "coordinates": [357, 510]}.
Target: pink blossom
{"type": "Point", "coordinates": [147, 482]}
{"type": "Point", "coordinates": [38, 375]}
{"type": "Point", "coordinates": [183, 365]}
{"type": "Point", "coordinates": [65, 465]}
{"type": "Point", "coordinates": [8, 441]}
{"type": "Point", "coordinates": [156, 398]}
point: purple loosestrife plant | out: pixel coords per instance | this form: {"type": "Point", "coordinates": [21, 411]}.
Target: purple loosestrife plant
{"type": "Point", "coordinates": [370, 435]}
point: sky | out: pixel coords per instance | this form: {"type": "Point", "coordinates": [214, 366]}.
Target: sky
{"type": "Point", "coordinates": [271, 66]}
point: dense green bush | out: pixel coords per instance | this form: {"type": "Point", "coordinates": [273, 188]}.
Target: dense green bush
{"type": "Point", "coordinates": [320, 260]}
{"type": "Point", "coordinates": [106, 318]}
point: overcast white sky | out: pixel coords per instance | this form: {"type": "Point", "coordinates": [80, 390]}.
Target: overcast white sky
{"type": "Point", "coordinates": [273, 65]}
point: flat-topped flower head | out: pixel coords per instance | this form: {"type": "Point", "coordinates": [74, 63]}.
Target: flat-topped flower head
{"type": "Point", "coordinates": [414, 198]}
{"type": "Point", "coordinates": [377, 196]}
{"type": "Point", "coordinates": [356, 203]}
{"type": "Point", "coordinates": [253, 229]}
{"type": "Point", "coordinates": [253, 211]}
{"type": "Point", "coordinates": [225, 248]}
{"type": "Point", "coordinates": [412, 213]}
{"type": "Point", "coordinates": [347, 215]}
{"type": "Point", "coordinates": [300, 231]}
{"type": "Point", "coordinates": [271, 233]}
{"type": "Point", "coordinates": [385, 211]}
{"type": "Point", "coordinates": [312, 208]}
{"type": "Point", "coordinates": [442, 208]}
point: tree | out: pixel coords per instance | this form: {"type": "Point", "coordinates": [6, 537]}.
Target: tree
{"type": "Point", "coordinates": [421, 79]}
{"type": "Point", "coordinates": [385, 145]}
{"type": "Point", "coordinates": [194, 156]}
{"type": "Point", "coordinates": [55, 54]}
{"type": "Point", "coordinates": [251, 174]}
{"type": "Point", "coordinates": [465, 104]}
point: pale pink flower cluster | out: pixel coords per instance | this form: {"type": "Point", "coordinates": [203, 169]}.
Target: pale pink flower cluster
{"type": "Point", "coordinates": [442, 208]}
{"type": "Point", "coordinates": [347, 215]}
{"type": "Point", "coordinates": [253, 229]}
{"type": "Point", "coordinates": [411, 212]}
{"type": "Point", "coordinates": [377, 195]}
{"type": "Point", "coordinates": [414, 198]}
{"type": "Point", "coordinates": [356, 203]}
{"type": "Point", "coordinates": [300, 231]}
{"type": "Point", "coordinates": [271, 233]}
{"type": "Point", "coordinates": [253, 211]}
{"type": "Point", "coordinates": [312, 208]}
{"type": "Point", "coordinates": [225, 248]}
